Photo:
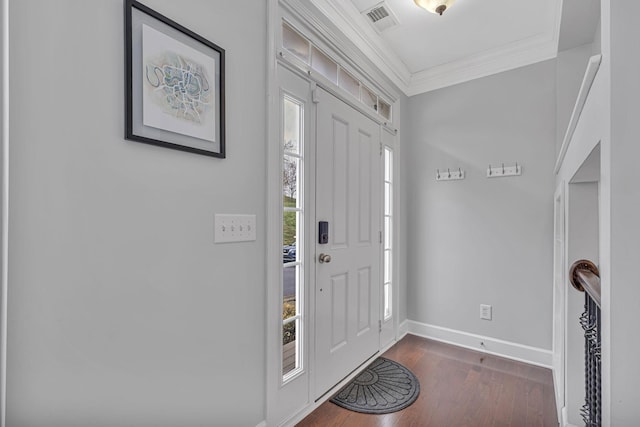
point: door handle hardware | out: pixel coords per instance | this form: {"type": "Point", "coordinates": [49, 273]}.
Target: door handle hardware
{"type": "Point", "coordinates": [324, 258]}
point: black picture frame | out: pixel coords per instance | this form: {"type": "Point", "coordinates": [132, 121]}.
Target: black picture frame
{"type": "Point", "coordinates": [174, 84]}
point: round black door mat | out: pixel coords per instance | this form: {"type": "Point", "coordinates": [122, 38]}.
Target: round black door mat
{"type": "Point", "coordinates": [384, 386]}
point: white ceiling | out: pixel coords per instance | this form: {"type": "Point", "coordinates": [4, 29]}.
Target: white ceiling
{"type": "Point", "coordinates": [473, 38]}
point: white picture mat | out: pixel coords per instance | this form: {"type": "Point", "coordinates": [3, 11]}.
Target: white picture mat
{"type": "Point", "coordinates": [156, 44]}
{"type": "Point", "coordinates": [139, 18]}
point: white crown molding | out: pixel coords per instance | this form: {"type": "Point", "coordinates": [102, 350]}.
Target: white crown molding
{"type": "Point", "coordinates": [518, 54]}
{"type": "Point", "coordinates": [353, 25]}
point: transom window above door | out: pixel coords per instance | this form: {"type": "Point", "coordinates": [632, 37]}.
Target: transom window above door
{"type": "Point", "coordinates": [313, 58]}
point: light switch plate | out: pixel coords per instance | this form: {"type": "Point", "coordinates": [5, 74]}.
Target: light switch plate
{"type": "Point", "coordinates": [234, 228]}
{"type": "Point", "coordinates": [485, 312]}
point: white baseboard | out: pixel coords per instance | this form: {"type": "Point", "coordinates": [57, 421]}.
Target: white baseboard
{"type": "Point", "coordinates": [510, 350]}
{"type": "Point", "coordinates": [262, 424]}
{"type": "Point", "coordinates": [556, 394]}
{"type": "Point", "coordinates": [565, 416]}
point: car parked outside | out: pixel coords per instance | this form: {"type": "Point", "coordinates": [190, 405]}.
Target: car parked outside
{"type": "Point", "coordinates": [289, 253]}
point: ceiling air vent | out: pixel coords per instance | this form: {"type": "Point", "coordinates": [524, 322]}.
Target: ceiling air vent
{"type": "Point", "coordinates": [381, 17]}
{"type": "Point", "coordinates": [377, 14]}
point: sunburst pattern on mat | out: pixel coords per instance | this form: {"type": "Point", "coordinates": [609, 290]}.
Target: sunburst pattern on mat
{"type": "Point", "coordinates": [384, 386]}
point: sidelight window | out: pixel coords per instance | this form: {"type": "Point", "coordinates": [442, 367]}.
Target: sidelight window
{"type": "Point", "coordinates": [388, 237]}
{"type": "Point", "coordinates": [292, 236]}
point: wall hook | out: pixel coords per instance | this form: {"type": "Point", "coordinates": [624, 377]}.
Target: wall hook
{"type": "Point", "coordinates": [447, 175]}
{"type": "Point", "coordinates": [504, 171]}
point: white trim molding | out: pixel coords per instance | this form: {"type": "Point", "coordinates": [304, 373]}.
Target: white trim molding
{"type": "Point", "coordinates": [516, 55]}
{"type": "Point", "coordinates": [329, 36]}
{"type": "Point", "coordinates": [497, 347]}
{"type": "Point", "coordinates": [589, 76]}
{"type": "Point", "coordinates": [565, 417]}
{"type": "Point", "coordinates": [4, 215]}
{"type": "Point", "coordinates": [345, 15]}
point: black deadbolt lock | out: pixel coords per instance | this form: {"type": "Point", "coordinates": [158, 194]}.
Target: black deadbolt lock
{"type": "Point", "coordinates": [323, 232]}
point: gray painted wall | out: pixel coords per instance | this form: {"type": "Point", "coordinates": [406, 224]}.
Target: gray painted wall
{"type": "Point", "coordinates": [596, 46]}
{"type": "Point", "coordinates": [622, 35]}
{"type": "Point", "coordinates": [122, 312]}
{"type": "Point", "coordinates": [483, 241]}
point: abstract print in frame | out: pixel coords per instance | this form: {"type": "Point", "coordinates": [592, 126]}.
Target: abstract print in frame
{"type": "Point", "coordinates": [174, 84]}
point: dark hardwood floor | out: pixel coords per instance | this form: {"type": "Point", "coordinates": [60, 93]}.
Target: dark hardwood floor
{"type": "Point", "coordinates": [458, 387]}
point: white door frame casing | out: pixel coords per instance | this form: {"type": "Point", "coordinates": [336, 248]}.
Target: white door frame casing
{"type": "Point", "coordinates": [559, 298]}
{"type": "Point", "coordinates": [276, 13]}
{"type": "Point", "coordinates": [290, 396]}
{"type": "Point", "coordinates": [4, 215]}
{"type": "Point", "coordinates": [389, 328]}
{"type": "Point", "coordinates": [301, 401]}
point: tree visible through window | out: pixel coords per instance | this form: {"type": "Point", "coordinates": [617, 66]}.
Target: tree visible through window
{"type": "Point", "coordinates": [289, 174]}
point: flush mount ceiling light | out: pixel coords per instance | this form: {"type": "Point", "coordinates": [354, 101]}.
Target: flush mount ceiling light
{"type": "Point", "coordinates": [435, 6]}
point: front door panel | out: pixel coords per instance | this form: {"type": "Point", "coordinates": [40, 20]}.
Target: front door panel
{"type": "Point", "coordinates": [348, 196]}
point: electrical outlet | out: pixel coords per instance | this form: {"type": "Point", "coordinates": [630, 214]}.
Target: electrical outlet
{"type": "Point", "coordinates": [234, 228]}
{"type": "Point", "coordinates": [485, 311]}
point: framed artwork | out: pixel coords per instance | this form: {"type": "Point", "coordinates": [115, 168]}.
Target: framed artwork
{"type": "Point", "coordinates": [174, 84]}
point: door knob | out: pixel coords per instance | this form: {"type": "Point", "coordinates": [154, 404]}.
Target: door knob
{"type": "Point", "coordinates": [324, 258]}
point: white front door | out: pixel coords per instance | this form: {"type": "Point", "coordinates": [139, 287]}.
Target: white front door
{"type": "Point", "coordinates": [348, 197]}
